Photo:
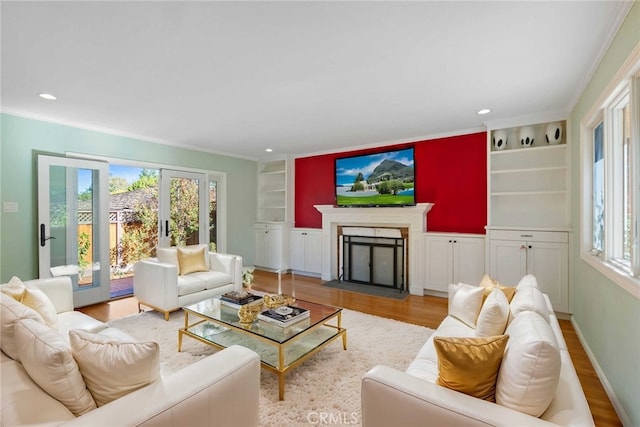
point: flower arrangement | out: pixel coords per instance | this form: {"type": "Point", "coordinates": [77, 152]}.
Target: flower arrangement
{"type": "Point", "coordinates": [247, 275]}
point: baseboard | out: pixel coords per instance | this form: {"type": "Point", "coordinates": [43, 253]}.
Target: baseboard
{"type": "Point", "coordinates": [624, 418]}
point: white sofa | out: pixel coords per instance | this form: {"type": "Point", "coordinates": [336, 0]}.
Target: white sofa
{"type": "Point", "coordinates": [157, 284]}
{"type": "Point", "coordinates": [413, 398]}
{"type": "Point", "coordinates": [227, 395]}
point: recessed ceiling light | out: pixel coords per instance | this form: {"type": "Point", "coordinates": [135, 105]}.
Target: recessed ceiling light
{"type": "Point", "coordinates": [268, 150]}
{"type": "Point", "coordinates": [47, 96]}
{"type": "Point", "coordinates": [484, 111]}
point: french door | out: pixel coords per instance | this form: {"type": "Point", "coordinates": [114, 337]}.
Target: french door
{"type": "Point", "coordinates": [73, 225]}
{"type": "Point", "coordinates": [184, 208]}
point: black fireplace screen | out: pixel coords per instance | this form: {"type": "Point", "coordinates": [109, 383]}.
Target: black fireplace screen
{"type": "Point", "coordinates": [374, 260]}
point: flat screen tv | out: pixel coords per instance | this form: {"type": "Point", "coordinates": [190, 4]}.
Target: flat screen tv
{"type": "Point", "coordinates": [376, 179]}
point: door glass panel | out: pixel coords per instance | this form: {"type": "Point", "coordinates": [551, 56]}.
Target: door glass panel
{"type": "Point", "coordinates": [73, 242]}
{"type": "Point", "coordinates": [213, 214]}
{"type": "Point", "coordinates": [184, 225]}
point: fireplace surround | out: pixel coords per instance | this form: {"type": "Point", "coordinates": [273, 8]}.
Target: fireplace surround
{"type": "Point", "coordinates": [413, 218]}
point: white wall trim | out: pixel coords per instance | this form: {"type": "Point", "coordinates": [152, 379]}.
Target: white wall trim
{"type": "Point", "coordinates": [624, 418]}
{"type": "Point", "coordinates": [115, 132]}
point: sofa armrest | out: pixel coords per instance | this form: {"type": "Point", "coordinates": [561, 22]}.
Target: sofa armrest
{"type": "Point", "coordinates": [227, 395]}
{"type": "Point", "coordinates": [230, 264]}
{"type": "Point", "coordinates": [58, 289]}
{"type": "Point", "coordinates": [156, 283]}
{"type": "Point", "coordinates": [392, 397]}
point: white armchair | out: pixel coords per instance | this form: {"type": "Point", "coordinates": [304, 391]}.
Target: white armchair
{"type": "Point", "coordinates": [157, 284]}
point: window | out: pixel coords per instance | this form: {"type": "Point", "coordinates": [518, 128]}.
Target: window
{"type": "Point", "coordinates": [598, 189]}
{"type": "Point", "coordinates": [611, 181]}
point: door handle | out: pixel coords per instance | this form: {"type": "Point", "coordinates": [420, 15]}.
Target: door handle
{"type": "Point", "coordinates": [44, 239]}
{"type": "Point", "coordinates": [166, 228]}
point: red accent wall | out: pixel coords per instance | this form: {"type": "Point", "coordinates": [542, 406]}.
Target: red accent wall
{"type": "Point", "coordinates": [450, 172]}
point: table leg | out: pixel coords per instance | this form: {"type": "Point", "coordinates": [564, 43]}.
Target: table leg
{"type": "Point", "coordinates": [344, 333]}
{"type": "Point", "coordinates": [280, 373]}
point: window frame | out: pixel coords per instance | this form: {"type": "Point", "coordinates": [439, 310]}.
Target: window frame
{"type": "Point", "coordinates": [624, 86]}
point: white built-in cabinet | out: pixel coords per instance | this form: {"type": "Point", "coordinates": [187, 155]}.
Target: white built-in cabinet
{"type": "Point", "coordinates": [529, 218]}
{"type": "Point", "coordinates": [453, 258]}
{"type": "Point", "coordinates": [273, 216]}
{"type": "Point", "coordinates": [305, 246]}
{"type": "Point", "coordinates": [545, 254]}
{"type": "Point", "coordinates": [271, 251]}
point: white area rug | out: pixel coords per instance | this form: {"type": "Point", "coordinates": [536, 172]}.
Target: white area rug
{"type": "Point", "coordinates": [327, 385]}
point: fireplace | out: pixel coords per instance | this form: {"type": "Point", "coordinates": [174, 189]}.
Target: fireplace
{"type": "Point", "coordinates": [411, 219]}
{"type": "Point", "coordinates": [373, 256]}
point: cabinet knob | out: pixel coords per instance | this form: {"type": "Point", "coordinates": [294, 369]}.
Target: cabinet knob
{"type": "Point", "coordinates": [529, 246]}
{"type": "Point", "coordinates": [523, 247]}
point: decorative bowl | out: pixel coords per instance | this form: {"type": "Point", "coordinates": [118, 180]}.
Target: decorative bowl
{"type": "Point", "coordinates": [249, 313]}
{"type": "Point", "coordinates": [273, 301]}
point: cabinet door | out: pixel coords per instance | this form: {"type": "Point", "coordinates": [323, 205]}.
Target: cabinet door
{"type": "Point", "coordinates": [439, 263]}
{"type": "Point", "coordinates": [468, 260]}
{"type": "Point", "coordinates": [313, 252]}
{"type": "Point", "coordinates": [261, 255]}
{"type": "Point", "coordinates": [508, 261]}
{"type": "Point", "coordinates": [549, 262]}
{"type": "Point", "coordinates": [274, 247]}
{"type": "Point", "coordinates": [298, 249]}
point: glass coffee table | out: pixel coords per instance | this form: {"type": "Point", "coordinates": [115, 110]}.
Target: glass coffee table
{"type": "Point", "coordinates": [280, 348]}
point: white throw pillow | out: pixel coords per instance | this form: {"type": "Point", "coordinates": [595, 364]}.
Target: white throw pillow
{"type": "Point", "coordinates": [530, 368]}
{"type": "Point", "coordinates": [40, 302]}
{"type": "Point", "coordinates": [113, 368]}
{"type": "Point", "coordinates": [527, 281]}
{"type": "Point", "coordinates": [46, 357]}
{"type": "Point", "coordinates": [11, 312]}
{"type": "Point", "coordinates": [466, 302]}
{"type": "Point", "coordinates": [168, 256]}
{"type": "Point", "coordinates": [15, 288]}
{"type": "Point", "coordinates": [529, 299]}
{"type": "Point", "coordinates": [494, 315]}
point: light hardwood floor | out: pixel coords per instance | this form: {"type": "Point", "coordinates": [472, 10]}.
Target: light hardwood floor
{"type": "Point", "coordinates": [425, 311]}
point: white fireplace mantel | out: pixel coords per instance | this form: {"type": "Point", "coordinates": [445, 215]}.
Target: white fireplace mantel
{"type": "Point", "coordinates": [412, 217]}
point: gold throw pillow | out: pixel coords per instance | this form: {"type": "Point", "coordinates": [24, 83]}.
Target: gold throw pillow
{"type": "Point", "coordinates": [191, 259]}
{"type": "Point", "coordinates": [470, 365]}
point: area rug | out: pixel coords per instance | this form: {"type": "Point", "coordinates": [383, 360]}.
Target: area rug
{"type": "Point", "coordinates": [380, 291]}
{"type": "Point", "coordinates": [326, 385]}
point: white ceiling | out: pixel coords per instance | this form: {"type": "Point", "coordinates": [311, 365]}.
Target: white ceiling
{"type": "Point", "coordinates": [298, 76]}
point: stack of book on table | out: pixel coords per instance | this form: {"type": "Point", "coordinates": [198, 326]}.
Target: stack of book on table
{"type": "Point", "coordinates": [284, 316]}
{"type": "Point", "coordinates": [235, 299]}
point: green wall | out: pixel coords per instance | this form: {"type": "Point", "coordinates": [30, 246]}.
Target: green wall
{"type": "Point", "coordinates": [607, 316]}
{"type": "Point", "coordinates": [22, 138]}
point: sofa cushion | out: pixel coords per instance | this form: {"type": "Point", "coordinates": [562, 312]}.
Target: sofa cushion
{"type": "Point", "coordinates": [425, 365]}
{"type": "Point", "coordinates": [11, 311]}
{"type": "Point", "coordinates": [192, 259]}
{"type": "Point", "coordinates": [40, 302]}
{"type": "Point", "coordinates": [470, 365]}
{"type": "Point", "coordinates": [78, 320]}
{"type": "Point", "coordinates": [47, 358]}
{"type": "Point", "coordinates": [113, 368]}
{"type": "Point", "coordinates": [529, 299]}
{"type": "Point", "coordinates": [24, 403]}
{"type": "Point", "coordinates": [531, 365]}
{"type": "Point", "coordinates": [466, 302]}
{"type": "Point", "coordinates": [494, 315]}
{"type": "Point", "coordinates": [213, 279]}
{"type": "Point", "coordinates": [190, 284]}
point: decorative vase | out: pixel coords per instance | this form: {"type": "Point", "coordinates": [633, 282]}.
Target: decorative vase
{"type": "Point", "coordinates": [499, 139]}
{"type": "Point", "coordinates": [554, 133]}
{"type": "Point", "coordinates": [527, 134]}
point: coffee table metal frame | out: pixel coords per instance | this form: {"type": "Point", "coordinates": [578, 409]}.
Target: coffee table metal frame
{"type": "Point", "coordinates": [225, 329]}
